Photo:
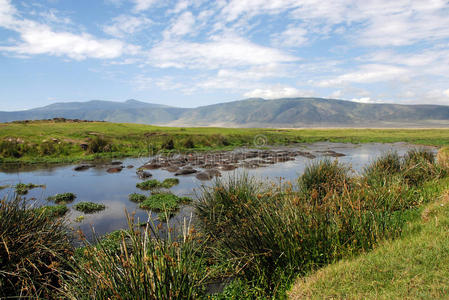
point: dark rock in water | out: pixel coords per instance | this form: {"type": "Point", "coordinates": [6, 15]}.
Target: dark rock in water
{"type": "Point", "coordinates": [227, 167]}
{"type": "Point", "coordinates": [172, 169]}
{"type": "Point", "coordinates": [116, 163]}
{"type": "Point", "coordinates": [185, 171]}
{"type": "Point", "coordinates": [82, 167]}
{"type": "Point", "coordinates": [143, 174]}
{"type": "Point", "coordinates": [129, 166]}
{"type": "Point", "coordinates": [151, 166]}
{"type": "Point", "coordinates": [306, 154]}
{"type": "Point", "coordinates": [204, 176]}
{"type": "Point", "coordinates": [332, 153]}
{"type": "Point", "coordinates": [114, 170]}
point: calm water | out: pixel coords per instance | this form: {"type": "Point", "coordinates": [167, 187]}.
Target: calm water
{"type": "Point", "coordinates": [96, 185]}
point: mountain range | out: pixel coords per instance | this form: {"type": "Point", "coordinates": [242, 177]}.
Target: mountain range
{"type": "Point", "coordinates": [280, 113]}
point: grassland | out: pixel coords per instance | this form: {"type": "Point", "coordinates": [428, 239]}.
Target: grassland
{"type": "Point", "coordinates": [413, 267]}
{"type": "Point", "coordinates": [57, 142]}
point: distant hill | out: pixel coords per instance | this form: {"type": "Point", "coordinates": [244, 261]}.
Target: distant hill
{"type": "Point", "coordinates": [291, 112]}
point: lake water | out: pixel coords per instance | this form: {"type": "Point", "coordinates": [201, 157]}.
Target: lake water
{"type": "Point", "coordinates": [96, 185]}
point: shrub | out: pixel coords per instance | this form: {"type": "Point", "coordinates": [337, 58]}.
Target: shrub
{"type": "Point", "coordinates": [62, 198]}
{"type": "Point", "coordinates": [189, 143]}
{"type": "Point", "coordinates": [324, 177]}
{"type": "Point", "coordinates": [89, 207]}
{"type": "Point", "coordinates": [156, 184]}
{"type": "Point", "coordinates": [151, 265]}
{"type": "Point", "coordinates": [99, 144]}
{"type": "Point", "coordinates": [32, 250]}
{"type": "Point", "coordinates": [13, 148]}
{"type": "Point", "coordinates": [169, 182]}
{"type": "Point", "coordinates": [168, 144]}
{"type": "Point", "coordinates": [135, 197]}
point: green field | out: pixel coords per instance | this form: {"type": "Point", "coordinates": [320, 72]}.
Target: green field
{"type": "Point", "coordinates": [55, 142]}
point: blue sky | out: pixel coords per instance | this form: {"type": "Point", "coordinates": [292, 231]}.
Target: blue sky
{"type": "Point", "coordinates": [194, 52]}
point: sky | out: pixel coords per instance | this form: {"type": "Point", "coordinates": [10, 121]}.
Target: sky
{"type": "Point", "coordinates": [190, 53]}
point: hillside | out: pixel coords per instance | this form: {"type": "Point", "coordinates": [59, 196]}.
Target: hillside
{"type": "Point", "coordinates": [294, 112]}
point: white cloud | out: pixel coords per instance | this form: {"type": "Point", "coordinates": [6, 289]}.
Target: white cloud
{"type": "Point", "coordinates": [292, 37]}
{"type": "Point", "coordinates": [368, 74]}
{"type": "Point", "coordinates": [276, 92]}
{"type": "Point", "coordinates": [219, 52]}
{"type": "Point", "coordinates": [366, 100]}
{"type": "Point", "coordinates": [42, 39]}
{"type": "Point", "coordinates": [183, 25]}
{"type": "Point", "coordinates": [141, 5]}
{"type": "Point", "coordinates": [124, 25]}
{"type": "Point", "coordinates": [446, 92]}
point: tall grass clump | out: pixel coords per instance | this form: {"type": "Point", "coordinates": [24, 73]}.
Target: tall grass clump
{"type": "Point", "coordinates": [419, 166]}
{"type": "Point", "coordinates": [145, 266]}
{"type": "Point", "coordinates": [33, 246]}
{"type": "Point", "coordinates": [323, 178]}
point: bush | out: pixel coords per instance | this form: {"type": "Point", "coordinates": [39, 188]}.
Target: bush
{"type": "Point", "coordinates": [13, 148]}
{"type": "Point", "coordinates": [168, 145]}
{"type": "Point", "coordinates": [164, 203]}
{"type": "Point", "coordinates": [62, 198]}
{"type": "Point", "coordinates": [89, 207]}
{"type": "Point", "coordinates": [32, 250]}
{"type": "Point", "coordinates": [142, 266]}
{"type": "Point", "coordinates": [169, 182]}
{"type": "Point", "coordinates": [323, 178]}
{"type": "Point", "coordinates": [156, 184]}
{"type": "Point", "coordinates": [189, 143]}
{"type": "Point", "coordinates": [99, 144]}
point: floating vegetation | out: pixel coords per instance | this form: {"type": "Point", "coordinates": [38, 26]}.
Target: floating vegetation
{"type": "Point", "coordinates": [135, 197]}
{"type": "Point", "coordinates": [22, 188]}
{"type": "Point", "coordinates": [164, 203]}
{"type": "Point", "coordinates": [62, 198]}
{"type": "Point", "coordinates": [156, 184]}
{"type": "Point", "coordinates": [79, 219]}
{"type": "Point", "coordinates": [89, 207]}
{"type": "Point", "coordinates": [53, 211]}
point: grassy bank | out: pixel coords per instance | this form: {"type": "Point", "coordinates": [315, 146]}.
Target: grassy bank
{"type": "Point", "coordinates": [56, 141]}
{"type": "Point", "coordinates": [413, 267]}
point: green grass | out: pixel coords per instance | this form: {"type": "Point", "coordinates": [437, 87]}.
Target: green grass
{"type": "Point", "coordinates": [33, 246]}
{"type": "Point", "coordinates": [129, 264]}
{"type": "Point", "coordinates": [22, 188]}
{"type": "Point", "coordinates": [53, 211]}
{"type": "Point", "coordinates": [62, 198]}
{"type": "Point", "coordinates": [415, 266]}
{"type": "Point", "coordinates": [153, 184]}
{"type": "Point", "coordinates": [89, 207]}
{"type": "Point", "coordinates": [135, 197]}
{"type": "Point", "coordinates": [165, 204]}
{"type": "Point", "coordinates": [55, 142]}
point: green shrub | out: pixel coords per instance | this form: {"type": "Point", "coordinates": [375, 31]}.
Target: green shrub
{"type": "Point", "coordinates": [419, 166]}
{"type": "Point", "coordinates": [169, 182]}
{"type": "Point", "coordinates": [323, 178]}
{"type": "Point", "coordinates": [152, 265]}
{"type": "Point", "coordinates": [89, 207]}
{"type": "Point", "coordinates": [99, 144]}
{"type": "Point", "coordinates": [62, 198]}
{"type": "Point", "coordinates": [14, 149]}
{"type": "Point", "coordinates": [32, 250]}
{"type": "Point", "coordinates": [164, 203]}
{"type": "Point", "coordinates": [188, 143]}
{"type": "Point", "coordinates": [135, 197]}
{"type": "Point", "coordinates": [168, 144]}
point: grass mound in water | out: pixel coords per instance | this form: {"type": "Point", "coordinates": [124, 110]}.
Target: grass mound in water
{"type": "Point", "coordinates": [89, 207]}
{"type": "Point", "coordinates": [62, 198]}
{"type": "Point", "coordinates": [22, 188]}
{"type": "Point", "coordinates": [136, 197]}
{"type": "Point", "coordinates": [156, 184]}
{"type": "Point", "coordinates": [53, 211]}
{"type": "Point", "coordinates": [164, 202]}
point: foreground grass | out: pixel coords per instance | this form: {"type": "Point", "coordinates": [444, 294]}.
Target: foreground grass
{"type": "Point", "coordinates": [413, 267]}
{"type": "Point", "coordinates": [55, 142]}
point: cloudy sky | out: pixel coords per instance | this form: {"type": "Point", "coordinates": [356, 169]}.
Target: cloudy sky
{"type": "Point", "coordinates": [195, 52]}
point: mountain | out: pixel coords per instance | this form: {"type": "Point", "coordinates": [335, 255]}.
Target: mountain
{"type": "Point", "coordinates": [291, 112]}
